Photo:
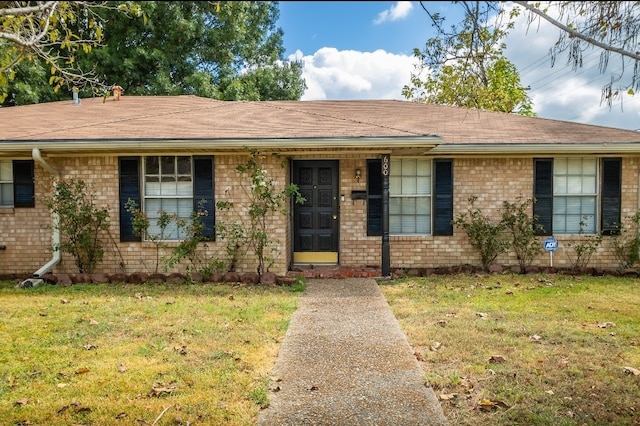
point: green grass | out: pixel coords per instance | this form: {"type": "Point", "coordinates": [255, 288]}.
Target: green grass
{"type": "Point", "coordinates": [562, 363]}
{"type": "Point", "coordinates": [139, 354]}
{"type": "Point", "coordinates": [121, 354]}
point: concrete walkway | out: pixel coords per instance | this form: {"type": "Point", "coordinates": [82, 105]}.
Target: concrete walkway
{"type": "Point", "coordinates": [345, 361]}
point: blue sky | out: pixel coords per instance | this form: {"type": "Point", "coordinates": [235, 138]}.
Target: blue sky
{"type": "Point", "coordinates": [364, 50]}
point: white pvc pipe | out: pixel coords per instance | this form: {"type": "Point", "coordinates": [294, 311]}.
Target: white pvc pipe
{"type": "Point", "coordinates": [55, 259]}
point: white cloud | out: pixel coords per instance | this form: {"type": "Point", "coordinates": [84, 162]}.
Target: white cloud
{"type": "Point", "coordinates": [348, 74]}
{"type": "Point", "coordinates": [396, 12]}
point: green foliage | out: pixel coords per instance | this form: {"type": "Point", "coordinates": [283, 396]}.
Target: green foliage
{"type": "Point", "coordinates": [42, 42]}
{"type": "Point", "coordinates": [141, 224]}
{"type": "Point", "coordinates": [583, 248]}
{"type": "Point", "coordinates": [265, 200]}
{"type": "Point", "coordinates": [80, 222]}
{"type": "Point", "coordinates": [234, 234]}
{"type": "Point", "coordinates": [191, 247]}
{"type": "Point", "coordinates": [626, 243]}
{"type": "Point", "coordinates": [486, 235]}
{"type": "Point", "coordinates": [464, 65]}
{"type": "Point", "coordinates": [221, 50]}
{"type": "Point", "coordinates": [521, 228]}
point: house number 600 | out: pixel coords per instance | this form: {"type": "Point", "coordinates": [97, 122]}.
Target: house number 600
{"type": "Point", "coordinates": [385, 165]}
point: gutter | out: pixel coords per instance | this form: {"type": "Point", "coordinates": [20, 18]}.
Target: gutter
{"type": "Point", "coordinates": [55, 259]}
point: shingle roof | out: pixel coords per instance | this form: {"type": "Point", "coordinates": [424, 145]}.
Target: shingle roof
{"type": "Point", "coordinates": [195, 118]}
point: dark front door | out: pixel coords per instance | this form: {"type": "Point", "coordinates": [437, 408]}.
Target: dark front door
{"type": "Point", "coordinates": [315, 223]}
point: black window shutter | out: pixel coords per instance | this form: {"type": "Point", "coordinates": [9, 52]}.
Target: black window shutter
{"type": "Point", "coordinates": [443, 197]}
{"type": "Point", "coordinates": [374, 197]}
{"type": "Point", "coordinates": [23, 185]}
{"type": "Point", "coordinates": [611, 195]}
{"type": "Point", "coordinates": [203, 189]}
{"type": "Point", "coordinates": [543, 194]}
{"type": "Point", "coordinates": [129, 189]}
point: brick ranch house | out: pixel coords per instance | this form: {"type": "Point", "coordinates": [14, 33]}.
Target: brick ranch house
{"type": "Point", "coordinates": [383, 179]}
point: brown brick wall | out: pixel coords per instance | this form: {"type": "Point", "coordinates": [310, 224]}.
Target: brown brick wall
{"type": "Point", "coordinates": [27, 232]}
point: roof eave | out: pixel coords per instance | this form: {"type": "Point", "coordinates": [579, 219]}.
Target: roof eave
{"type": "Point", "coordinates": [391, 145]}
{"type": "Point", "coordinates": [502, 150]}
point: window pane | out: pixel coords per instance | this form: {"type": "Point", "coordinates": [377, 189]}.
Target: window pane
{"type": "Point", "coordinates": [589, 185]}
{"type": "Point", "coordinates": [574, 166]}
{"type": "Point", "coordinates": [408, 206]}
{"type": "Point", "coordinates": [184, 165]}
{"type": "Point", "coordinates": [409, 185]}
{"type": "Point", "coordinates": [408, 225]}
{"type": "Point", "coordinates": [423, 185]}
{"type": "Point", "coordinates": [167, 166]}
{"type": "Point", "coordinates": [6, 171]}
{"type": "Point", "coordinates": [6, 194]}
{"type": "Point", "coordinates": [574, 185]}
{"type": "Point", "coordinates": [559, 185]}
{"type": "Point", "coordinates": [185, 207]}
{"type": "Point", "coordinates": [423, 168]}
{"type": "Point", "coordinates": [151, 166]}
{"type": "Point", "coordinates": [151, 188]}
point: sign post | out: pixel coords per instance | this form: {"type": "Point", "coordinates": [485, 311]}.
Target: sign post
{"type": "Point", "coordinates": [550, 244]}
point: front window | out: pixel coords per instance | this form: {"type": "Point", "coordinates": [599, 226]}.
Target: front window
{"type": "Point", "coordinates": [6, 183]}
{"type": "Point", "coordinates": [168, 188]}
{"type": "Point", "coordinates": [574, 195]}
{"type": "Point", "coordinates": [410, 196]}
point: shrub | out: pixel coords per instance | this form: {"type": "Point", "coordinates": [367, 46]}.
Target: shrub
{"type": "Point", "coordinates": [626, 242]}
{"type": "Point", "coordinates": [522, 228]}
{"type": "Point", "coordinates": [583, 248]}
{"type": "Point", "coordinates": [486, 236]}
{"type": "Point", "coordinates": [80, 222]}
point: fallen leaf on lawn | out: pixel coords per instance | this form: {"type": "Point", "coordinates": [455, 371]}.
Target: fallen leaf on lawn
{"type": "Point", "coordinates": [442, 323]}
{"type": "Point", "coordinates": [23, 401]}
{"type": "Point", "coordinates": [161, 389]}
{"type": "Point", "coordinates": [482, 315]}
{"type": "Point", "coordinates": [447, 396]}
{"type": "Point", "coordinates": [312, 388]}
{"type": "Point", "coordinates": [62, 385]}
{"type": "Point", "coordinates": [436, 346]}
{"type": "Point", "coordinates": [82, 370]}
{"type": "Point", "coordinates": [487, 404]}
{"type": "Point", "coordinates": [182, 350]}
{"type": "Point", "coordinates": [64, 301]}
{"type": "Point", "coordinates": [535, 338]}
{"type": "Point", "coordinates": [550, 392]}
{"type": "Point", "coordinates": [122, 368]}
{"type": "Point", "coordinates": [89, 346]}
{"type": "Point", "coordinates": [121, 416]}
{"type": "Point", "coordinates": [418, 356]}
{"type": "Point", "coordinates": [496, 359]}
{"type": "Point", "coordinates": [606, 324]}
{"type": "Point", "coordinates": [631, 370]}
{"type": "Point", "coordinates": [93, 322]}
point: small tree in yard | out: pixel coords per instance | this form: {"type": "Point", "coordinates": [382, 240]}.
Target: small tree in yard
{"type": "Point", "coordinates": [486, 236]}
{"type": "Point", "coordinates": [80, 222]}
{"type": "Point", "coordinates": [521, 228]}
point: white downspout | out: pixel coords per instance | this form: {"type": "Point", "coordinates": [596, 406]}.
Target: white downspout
{"type": "Point", "coordinates": [55, 259]}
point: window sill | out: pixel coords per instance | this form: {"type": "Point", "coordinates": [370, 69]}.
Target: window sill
{"type": "Point", "coordinates": [7, 210]}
